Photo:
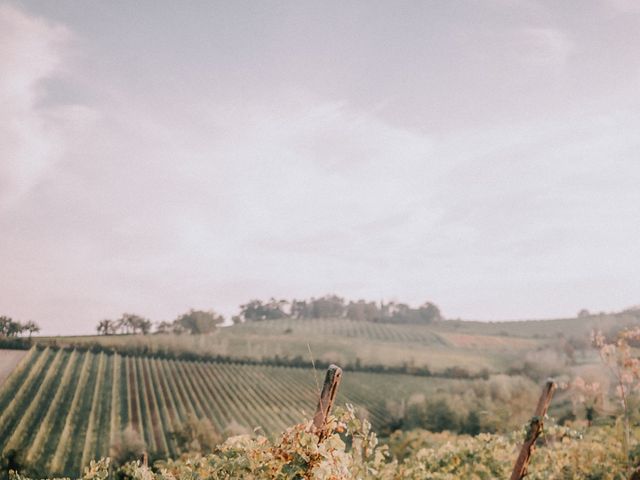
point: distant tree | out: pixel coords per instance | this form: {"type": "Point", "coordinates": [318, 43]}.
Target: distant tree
{"type": "Point", "coordinates": [11, 328]}
{"type": "Point", "coordinates": [252, 311]}
{"type": "Point", "coordinates": [429, 312]}
{"type": "Point", "coordinates": [333, 306]}
{"type": "Point", "coordinates": [107, 327]}
{"type": "Point", "coordinates": [256, 310]}
{"type": "Point", "coordinates": [329, 306]}
{"type": "Point", "coordinates": [122, 325]}
{"type": "Point", "coordinates": [276, 309]}
{"type": "Point", "coordinates": [471, 425]}
{"type": "Point", "coordinates": [4, 325]}
{"type": "Point", "coordinates": [440, 417]}
{"type": "Point", "coordinates": [31, 327]}
{"type": "Point", "coordinates": [144, 325]}
{"type": "Point", "coordinates": [363, 311]}
{"type": "Point", "coordinates": [584, 313]}
{"type": "Point", "coordinates": [164, 327]}
{"type": "Point", "coordinates": [199, 321]}
{"type": "Point", "coordinates": [103, 327]}
{"type": "Point", "coordinates": [403, 313]}
{"type": "Point", "coordinates": [300, 309]}
{"type": "Point", "coordinates": [395, 312]}
{"type": "Point", "coordinates": [16, 329]}
{"type": "Point", "coordinates": [132, 323]}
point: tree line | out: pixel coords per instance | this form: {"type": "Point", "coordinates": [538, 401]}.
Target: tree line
{"type": "Point", "coordinates": [328, 306]}
{"type": "Point", "coordinates": [192, 322]}
{"type": "Point", "coordinates": [206, 321]}
{"type": "Point", "coordinates": [333, 306]}
{"type": "Point", "coordinates": [13, 328]}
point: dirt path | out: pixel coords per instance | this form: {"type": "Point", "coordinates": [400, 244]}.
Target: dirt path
{"type": "Point", "coordinates": [8, 361]}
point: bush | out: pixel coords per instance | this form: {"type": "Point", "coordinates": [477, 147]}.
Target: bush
{"type": "Point", "coordinates": [128, 446]}
{"type": "Point", "coordinates": [15, 343]}
{"type": "Point", "coordinates": [350, 450]}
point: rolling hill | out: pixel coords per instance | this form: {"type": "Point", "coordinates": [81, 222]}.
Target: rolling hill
{"type": "Point", "coordinates": [61, 408]}
{"type": "Point", "coordinates": [66, 401]}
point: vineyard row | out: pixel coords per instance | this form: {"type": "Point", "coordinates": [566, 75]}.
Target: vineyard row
{"type": "Point", "coordinates": [63, 408]}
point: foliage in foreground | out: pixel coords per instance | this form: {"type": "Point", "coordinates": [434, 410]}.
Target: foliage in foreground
{"type": "Point", "coordinates": [350, 450]}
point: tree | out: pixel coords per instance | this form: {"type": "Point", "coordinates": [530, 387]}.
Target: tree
{"type": "Point", "coordinates": [300, 309]}
{"type": "Point", "coordinates": [31, 327]}
{"type": "Point", "coordinates": [132, 323]}
{"type": "Point", "coordinates": [11, 328]}
{"type": "Point", "coordinates": [15, 329]}
{"type": "Point", "coordinates": [440, 417]}
{"type": "Point", "coordinates": [329, 306]}
{"type": "Point", "coordinates": [199, 321]}
{"type": "Point", "coordinates": [4, 325]}
{"type": "Point", "coordinates": [164, 327]}
{"type": "Point", "coordinates": [363, 311]}
{"type": "Point", "coordinates": [256, 310]}
{"type": "Point", "coordinates": [472, 425]}
{"type": "Point", "coordinates": [107, 327]}
{"type": "Point", "coordinates": [429, 312]}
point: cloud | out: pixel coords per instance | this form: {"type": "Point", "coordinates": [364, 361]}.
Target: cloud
{"type": "Point", "coordinates": [155, 214]}
{"type": "Point", "coordinates": [31, 133]}
{"type": "Point", "coordinates": [181, 186]}
{"type": "Point", "coordinates": [148, 215]}
{"type": "Point", "coordinates": [543, 46]}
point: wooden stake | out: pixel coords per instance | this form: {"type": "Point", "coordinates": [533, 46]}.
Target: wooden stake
{"type": "Point", "coordinates": [327, 397]}
{"type": "Point", "coordinates": [534, 431]}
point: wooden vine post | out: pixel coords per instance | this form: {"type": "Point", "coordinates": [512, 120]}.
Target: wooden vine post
{"type": "Point", "coordinates": [327, 398]}
{"type": "Point", "coordinates": [533, 431]}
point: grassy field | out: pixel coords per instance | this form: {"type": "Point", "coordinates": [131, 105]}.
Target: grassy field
{"type": "Point", "coordinates": [61, 408]}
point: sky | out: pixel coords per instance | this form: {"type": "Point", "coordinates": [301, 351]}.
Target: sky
{"type": "Point", "coordinates": [157, 156]}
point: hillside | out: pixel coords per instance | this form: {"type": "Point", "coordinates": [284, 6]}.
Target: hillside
{"type": "Point", "coordinates": [573, 327]}
{"type": "Point", "coordinates": [341, 341]}
{"type": "Point", "coordinates": [61, 408]}
{"type": "Point", "coordinates": [440, 346]}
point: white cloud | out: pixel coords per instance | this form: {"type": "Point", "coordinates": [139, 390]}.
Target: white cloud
{"type": "Point", "coordinates": [31, 134]}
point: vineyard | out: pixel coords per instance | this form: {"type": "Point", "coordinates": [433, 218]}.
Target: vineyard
{"type": "Point", "coordinates": [334, 340]}
{"type": "Point", "coordinates": [61, 408]}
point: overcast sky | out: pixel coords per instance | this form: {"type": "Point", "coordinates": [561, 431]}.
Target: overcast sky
{"type": "Point", "coordinates": [157, 156]}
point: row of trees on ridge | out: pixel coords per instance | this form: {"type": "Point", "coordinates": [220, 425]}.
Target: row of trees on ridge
{"type": "Point", "coordinates": [193, 322]}
{"type": "Point", "coordinates": [333, 306]}
{"type": "Point", "coordinates": [328, 306]}
{"type": "Point", "coordinates": [13, 328]}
